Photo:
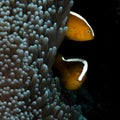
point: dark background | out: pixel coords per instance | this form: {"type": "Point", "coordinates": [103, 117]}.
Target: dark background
{"type": "Point", "coordinates": [101, 101]}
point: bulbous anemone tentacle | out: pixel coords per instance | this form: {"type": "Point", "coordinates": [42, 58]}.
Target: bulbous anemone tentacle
{"type": "Point", "coordinates": [30, 33]}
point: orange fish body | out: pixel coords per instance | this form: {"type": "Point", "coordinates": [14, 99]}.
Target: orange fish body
{"type": "Point", "coordinates": [72, 71]}
{"type": "Point", "coordinates": [78, 28]}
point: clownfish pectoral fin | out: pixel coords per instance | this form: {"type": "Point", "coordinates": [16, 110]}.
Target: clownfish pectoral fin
{"type": "Point", "coordinates": [78, 28]}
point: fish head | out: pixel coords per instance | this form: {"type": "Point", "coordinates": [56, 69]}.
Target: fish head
{"type": "Point", "coordinates": [78, 28]}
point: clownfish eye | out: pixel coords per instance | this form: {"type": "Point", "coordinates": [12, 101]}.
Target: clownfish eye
{"type": "Point", "coordinates": [88, 31]}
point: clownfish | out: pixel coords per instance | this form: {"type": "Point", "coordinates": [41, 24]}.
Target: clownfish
{"type": "Point", "coordinates": [72, 71]}
{"type": "Point", "coordinates": [78, 28]}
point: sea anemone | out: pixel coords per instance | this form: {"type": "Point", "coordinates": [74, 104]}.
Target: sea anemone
{"type": "Point", "coordinates": [30, 33]}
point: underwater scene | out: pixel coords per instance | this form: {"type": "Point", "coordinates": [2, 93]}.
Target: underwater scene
{"type": "Point", "coordinates": [56, 60]}
{"type": "Point", "coordinates": [99, 94]}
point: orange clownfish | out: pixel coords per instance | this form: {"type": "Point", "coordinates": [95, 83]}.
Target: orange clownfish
{"type": "Point", "coordinates": [73, 71]}
{"type": "Point", "coordinates": [78, 28]}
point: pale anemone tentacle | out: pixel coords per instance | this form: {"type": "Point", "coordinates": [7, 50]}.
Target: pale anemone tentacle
{"type": "Point", "coordinates": [30, 33]}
